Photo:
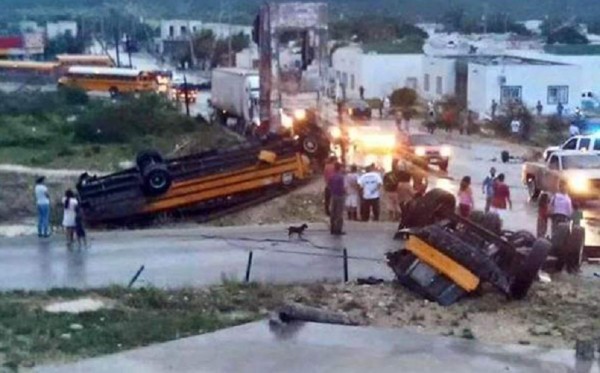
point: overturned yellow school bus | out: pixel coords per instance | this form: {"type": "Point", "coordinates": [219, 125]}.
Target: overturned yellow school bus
{"type": "Point", "coordinates": [197, 183]}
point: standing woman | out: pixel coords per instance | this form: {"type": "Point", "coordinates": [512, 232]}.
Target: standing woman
{"type": "Point", "coordinates": [69, 215]}
{"type": "Point", "coordinates": [465, 197]}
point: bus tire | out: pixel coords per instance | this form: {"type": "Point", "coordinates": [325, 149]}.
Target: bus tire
{"type": "Point", "coordinates": [157, 180]}
{"type": "Point", "coordinates": [310, 145]}
{"type": "Point", "coordinates": [114, 92]}
{"type": "Point", "coordinates": [529, 269]}
{"type": "Point", "coordinates": [146, 158]}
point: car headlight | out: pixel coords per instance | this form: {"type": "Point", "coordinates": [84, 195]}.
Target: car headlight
{"type": "Point", "coordinates": [287, 121]}
{"type": "Point", "coordinates": [300, 114]}
{"type": "Point", "coordinates": [420, 152]}
{"type": "Point", "coordinates": [579, 184]}
{"type": "Point", "coordinates": [446, 151]}
{"type": "Point", "coordinates": [335, 132]}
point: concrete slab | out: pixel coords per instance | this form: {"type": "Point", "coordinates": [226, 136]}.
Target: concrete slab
{"type": "Point", "coordinates": [195, 257]}
{"type": "Point", "coordinates": [309, 347]}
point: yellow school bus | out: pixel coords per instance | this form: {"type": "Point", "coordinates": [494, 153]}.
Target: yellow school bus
{"type": "Point", "coordinates": [67, 60]}
{"type": "Point", "coordinates": [109, 79]}
{"type": "Point", "coordinates": [28, 67]}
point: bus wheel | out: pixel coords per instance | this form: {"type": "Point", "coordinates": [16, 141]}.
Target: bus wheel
{"type": "Point", "coordinates": [157, 180]}
{"type": "Point", "coordinates": [148, 157]}
{"type": "Point", "coordinates": [114, 92]}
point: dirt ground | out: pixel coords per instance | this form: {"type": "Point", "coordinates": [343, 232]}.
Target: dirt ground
{"type": "Point", "coordinates": [553, 315]}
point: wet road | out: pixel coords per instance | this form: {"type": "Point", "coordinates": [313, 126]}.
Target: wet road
{"type": "Point", "coordinates": [195, 257]}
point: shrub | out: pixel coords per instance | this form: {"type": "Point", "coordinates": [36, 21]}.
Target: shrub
{"type": "Point", "coordinates": [404, 97]}
{"type": "Point", "coordinates": [74, 96]}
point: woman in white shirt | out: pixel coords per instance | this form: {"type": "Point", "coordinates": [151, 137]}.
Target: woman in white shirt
{"type": "Point", "coordinates": [69, 214]}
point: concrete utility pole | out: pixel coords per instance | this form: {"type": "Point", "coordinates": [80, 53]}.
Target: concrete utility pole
{"type": "Point", "coordinates": [185, 95]}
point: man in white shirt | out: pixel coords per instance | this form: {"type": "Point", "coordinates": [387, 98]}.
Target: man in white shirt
{"type": "Point", "coordinates": [370, 184]}
{"type": "Point", "coordinates": [574, 129]}
{"type": "Point", "coordinates": [561, 206]}
{"type": "Point", "coordinates": [42, 200]}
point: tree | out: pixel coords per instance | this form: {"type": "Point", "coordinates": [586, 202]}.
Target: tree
{"type": "Point", "coordinates": [64, 43]}
{"type": "Point", "coordinates": [567, 35]}
{"type": "Point", "coordinates": [403, 97]}
{"type": "Point", "coordinates": [204, 47]}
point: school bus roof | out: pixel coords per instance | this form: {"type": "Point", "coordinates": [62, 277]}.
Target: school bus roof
{"type": "Point", "coordinates": [82, 57]}
{"type": "Point", "coordinates": [28, 65]}
{"type": "Point", "coordinates": [95, 70]}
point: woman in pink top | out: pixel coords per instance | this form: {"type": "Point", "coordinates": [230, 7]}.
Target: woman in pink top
{"type": "Point", "coordinates": [465, 197]}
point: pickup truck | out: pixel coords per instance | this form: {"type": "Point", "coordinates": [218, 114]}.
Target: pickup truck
{"type": "Point", "coordinates": [589, 143]}
{"type": "Point", "coordinates": [581, 171]}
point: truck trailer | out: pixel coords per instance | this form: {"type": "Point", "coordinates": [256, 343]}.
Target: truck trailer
{"type": "Point", "coordinates": [234, 96]}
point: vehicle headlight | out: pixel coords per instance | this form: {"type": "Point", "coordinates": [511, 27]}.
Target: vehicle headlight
{"type": "Point", "coordinates": [420, 152]}
{"type": "Point", "coordinates": [335, 132]}
{"type": "Point", "coordinates": [287, 121]}
{"type": "Point", "coordinates": [446, 151]}
{"type": "Point", "coordinates": [579, 184]}
{"type": "Point", "coordinates": [300, 114]}
{"type": "Point", "coordinates": [352, 134]}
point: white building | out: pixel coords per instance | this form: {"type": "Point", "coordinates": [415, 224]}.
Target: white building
{"type": "Point", "coordinates": [378, 73]}
{"type": "Point", "coordinates": [178, 28]}
{"type": "Point", "coordinates": [508, 78]}
{"type": "Point", "coordinates": [174, 30]}
{"type": "Point", "coordinates": [439, 77]}
{"type": "Point", "coordinates": [55, 29]}
{"type": "Point", "coordinates": [248, 58]}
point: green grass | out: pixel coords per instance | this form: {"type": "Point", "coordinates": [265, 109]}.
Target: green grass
{"type": "Point", "coordinates": [575, 49]}
{"type": "Point", "coordinates": [30, 336]}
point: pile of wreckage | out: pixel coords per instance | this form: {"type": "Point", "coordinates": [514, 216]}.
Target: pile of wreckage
{"type": "Point", "coordinates": [447, 257]}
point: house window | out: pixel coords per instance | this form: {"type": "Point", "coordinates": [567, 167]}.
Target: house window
{"type": "Point", "coordinates": [510, 93]}
{"type": "Point", "coordinates": [426, 83]}
{"type": "Point", "coordinates": [352, 81]}
{"type": "Point", "coordinates": [183, 30]}
{"type": "Point", "coordinates": [558, 94]}
{"type": "Point", "coordinates": [171, 31]}
{"type": "Point", "coordinates": [345, 79]}
{"type": "Point", "coordinates": [438, 85]}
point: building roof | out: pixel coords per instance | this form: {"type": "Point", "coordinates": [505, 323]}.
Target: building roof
{"type": "Point", "coordinates": [505, 60]}
{"type": "Point", "coordinates": [95, 70]}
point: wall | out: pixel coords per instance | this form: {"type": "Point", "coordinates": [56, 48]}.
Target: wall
{"type": "Point", "coordinates": [54, 29]}
{"type": "Point", "coordinates": [247, 58]}
{"type": "Point", "coordinates": [379, 74]}
{"type": "Point", "coordinates": [484, 84]}
{"type": "Point", "coordinates": [438, 67]}
{"type": "Point", "coordinates": [177, 24]}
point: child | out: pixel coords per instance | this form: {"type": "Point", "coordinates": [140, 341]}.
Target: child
{"type": "Point", "coordinates": [465, 197]}
{"type": "Point", "coordinates": [543, 215]}
{"type": "Point", "coordinates": [79, 228]}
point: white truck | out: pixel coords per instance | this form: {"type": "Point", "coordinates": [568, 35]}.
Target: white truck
{"type": "Point", "coordinates": [234, 95]}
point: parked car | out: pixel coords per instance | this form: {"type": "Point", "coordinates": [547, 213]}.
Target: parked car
{"type": "Point", "coordinates": [358, 110]}
{"type": "Point", "coordinates": [425, 149]}
{"type": "Point", "coordinates": [580, 170]}
{"type": "Point", "coordinates": [589, 143]}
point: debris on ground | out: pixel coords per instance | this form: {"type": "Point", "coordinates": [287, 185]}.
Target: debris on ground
{"type": "Point", "coordinates": [297, 312]}
{"type": "Point", "coordinates": [77, 306]}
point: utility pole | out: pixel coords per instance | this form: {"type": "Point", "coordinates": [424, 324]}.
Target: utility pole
{"type": "Point", "coordinates": [128, 46]}
{"type": "Point", "coordinates": [230, 56]}
{"type": "Point", "coordinates": [185, 95]}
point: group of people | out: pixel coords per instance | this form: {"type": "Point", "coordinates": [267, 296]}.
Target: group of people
{"type": "Point", "coordinates": [72, 221]}
{"type": "Point", "coordinates": [361, 195]}
{"type": "Point", "coordinates": [495, 189]}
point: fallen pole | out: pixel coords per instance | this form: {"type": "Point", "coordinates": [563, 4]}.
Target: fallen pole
{"type": "Point", "coordinates": [249, 266]}
{"type": "Point", "coordinates": [135, 277]}
{"type": "Point", "coordinates": [298, 312]}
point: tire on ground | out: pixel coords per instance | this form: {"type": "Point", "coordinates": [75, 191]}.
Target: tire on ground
{"type": "Point", "coordinates": [156, 179]}
{"type": "Point", "coordinates": [529, 269]}
{"type": "Point", "coordinates": [574, 248]}
{"type": "Point", "coordinates": [146, 158]}
{"type": "Point", "coordinates": [505, 156]}
{"type": "Point", "coordinates": [559, 244]}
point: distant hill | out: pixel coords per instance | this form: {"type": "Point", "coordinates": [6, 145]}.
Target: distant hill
{"type": "Point", "coordinates": [244, 10]}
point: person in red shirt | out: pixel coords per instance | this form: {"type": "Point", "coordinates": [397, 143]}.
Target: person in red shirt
{"type": "Point", "coordinates": [328, 172]}
{"type": "Point", "coordinates": [501, 199]}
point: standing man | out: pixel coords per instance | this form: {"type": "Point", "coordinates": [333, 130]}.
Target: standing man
{"type": "Point", "coordinates": [370, 184]}
{"type": "Point", "coordinates": [561, 207]}
{"type": "Point", "coordinates": [42, 199]}
{"type": "Point", "coordinates": [539, 108]}
{"type": "Point", "coordinates": [574, 129]}
{"type": "Point", "coordinates": [487, 188]}
{"type": "Point", "coordinates": [501, 201]}
{"type": "Point", "coordinates": [559, 109]}
{"type": "Point", "coordinates": [386, 105]}
{"type": "Point", "coordinates": [338, 200]}
{"type": "Point", "coordinates": [361, 92]}
{"type": "Point", "coordinates": [328, 172]}
{"type": "Point", "coordinates": [494, 109]}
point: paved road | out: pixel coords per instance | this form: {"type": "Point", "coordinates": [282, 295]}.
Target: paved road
{"type": "Point", "coordinates": [194, 257]}
{"type": "Point", "coordinates": [256, 347]}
